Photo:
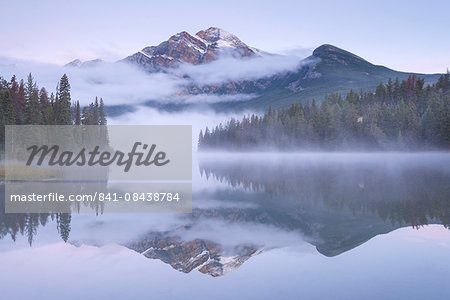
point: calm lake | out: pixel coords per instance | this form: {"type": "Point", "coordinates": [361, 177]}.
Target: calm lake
{"type": "Point", "coordinates": [263, 226]}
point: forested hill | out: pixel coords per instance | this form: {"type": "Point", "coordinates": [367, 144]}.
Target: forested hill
{"type": "Point", "coordinates": [404, 115]}
{"type": "Point", "coordinates": [331, 69]}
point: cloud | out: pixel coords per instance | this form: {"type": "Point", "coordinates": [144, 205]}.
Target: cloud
{"type": "Point", "coordinates": [117, 83]}
{"type": "Point", "coordinates": [120, 83]}
{"type": "Point", "coordinates": [231, 69]}
{"type": "Point", "coordinates": [233, 234]}
{"type": "Point", "coordinates": [300, 52]}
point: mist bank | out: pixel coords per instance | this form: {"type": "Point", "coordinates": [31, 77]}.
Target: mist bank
{"type": "Point", "coordinates": [122, 83]}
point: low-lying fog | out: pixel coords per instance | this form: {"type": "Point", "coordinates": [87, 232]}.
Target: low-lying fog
{"type": "Point", "coordinates": [199, 119]}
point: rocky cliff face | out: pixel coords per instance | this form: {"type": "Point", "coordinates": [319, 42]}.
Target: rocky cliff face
{"type": "Point", "coordinates": [203, 47]}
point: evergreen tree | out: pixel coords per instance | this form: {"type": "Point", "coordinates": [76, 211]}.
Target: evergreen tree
{"type": "Point", "coordinates": [34, 115]}
{"type": "Point", "coordinates": [200, 139]}
{"type": "Point", "coordinates": [20, 105]}
{"type": "Point", "coordinates": [17, 96]}
{"type": "Point", "coordinates": [7, 108]}
{"type": "Point", "coordinates": [77, 113]}
{"type": "Point", "coordinates": [64, 112]}
{"type": "Point", "coordinates": [95, 112]}
{"type": "Point", "coordinates": [86, 116]}
{"type": "Point", "coordinates": [46, 107]}
{"type": "Point", "coordinates": [29, 88]}
{"type": "Point", "coordinates": [102, 113]}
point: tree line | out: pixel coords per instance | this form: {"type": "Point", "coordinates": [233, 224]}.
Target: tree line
{"type": "Point", "coordinates": [404, 115]}
{"type": "Point", "coordinates": [25, 103]}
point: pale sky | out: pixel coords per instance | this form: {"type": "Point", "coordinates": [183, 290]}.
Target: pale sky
{"type": "Point", "coordinates": [403, 35]}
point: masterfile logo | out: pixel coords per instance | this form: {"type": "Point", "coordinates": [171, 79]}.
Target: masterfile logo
{"type": "Point", "coordinates": [125, 168]}
{"type": "Point", "coordinates": [135, 152]}
{"type": "Point", "coordinates": [53, 156]}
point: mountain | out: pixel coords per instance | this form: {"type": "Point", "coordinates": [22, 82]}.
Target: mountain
{"type": "Point", "coordinates": [205, 46]}
{"type": "Point", "coordinates": [76, 63]}
{"type": "Point", "coordinates": [330, 70]}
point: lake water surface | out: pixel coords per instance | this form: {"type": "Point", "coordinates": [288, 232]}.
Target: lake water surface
{"type": "Point", "coordinates": [263, 226]}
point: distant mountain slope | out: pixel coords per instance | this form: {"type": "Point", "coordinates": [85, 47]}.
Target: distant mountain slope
{"type": "Point", "coordinates": [332, 70]}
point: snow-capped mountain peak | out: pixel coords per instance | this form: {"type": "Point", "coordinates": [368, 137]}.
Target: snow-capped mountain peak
{"type": "Point", "coordinates": [203, 47]}
{"type": "Point", "coordinates": [219, 37]}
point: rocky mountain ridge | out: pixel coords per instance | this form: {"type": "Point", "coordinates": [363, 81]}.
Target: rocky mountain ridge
{"type": "Point", "coordinates": [203, 47]}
